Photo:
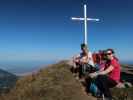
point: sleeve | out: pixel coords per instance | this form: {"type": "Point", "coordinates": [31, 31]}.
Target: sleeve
{"type": "Point", "coordinates": [114, 63]}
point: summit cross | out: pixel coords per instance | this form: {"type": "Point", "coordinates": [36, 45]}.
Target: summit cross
{"type": "Point", "coordinates": [85, 19]}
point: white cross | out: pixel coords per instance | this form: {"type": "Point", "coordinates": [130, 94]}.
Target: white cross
{"type": "Point", "coordinates": [85, 19]}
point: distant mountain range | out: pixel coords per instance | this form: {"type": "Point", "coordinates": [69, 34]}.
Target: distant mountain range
{"type": "Point", "coordinates": [7, 80]}
{"type": "Point", "coordinates": [127, 62]}
{"type": "Point", "coordinates": [23, 67]}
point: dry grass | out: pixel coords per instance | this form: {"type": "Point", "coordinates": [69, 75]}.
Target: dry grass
{"type": "Point", "coordinates": [55, 83]}
{"type": "Point", "coordinates": [52, 83]}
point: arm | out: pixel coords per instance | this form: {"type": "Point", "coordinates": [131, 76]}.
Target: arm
{"type": "Point", "coordinates": [101, 69]}
{"type": "Point", "coordinates": [108, 70]}
{"type": "Point", "coordinates": [76, 58]}
{"type": "Point", "coordinates": [84, 59]}
{"type": "Point", "coordinates": [104, 72]}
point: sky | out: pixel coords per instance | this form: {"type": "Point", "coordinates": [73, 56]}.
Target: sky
{"type": "Point", "coordinates": [42, 30]}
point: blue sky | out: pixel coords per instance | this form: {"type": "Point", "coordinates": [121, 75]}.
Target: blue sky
{"type": "Point", "coordinates": [42, 30]}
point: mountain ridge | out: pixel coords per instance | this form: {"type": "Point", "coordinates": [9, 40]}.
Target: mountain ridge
{"type": "Point", "coordinates": [7, 80]}
{"type": "Point", "coordinates": [54, 82]}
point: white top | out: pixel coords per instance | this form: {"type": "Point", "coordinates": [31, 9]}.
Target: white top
{"type": "Point", "coordinates": [90, 61]}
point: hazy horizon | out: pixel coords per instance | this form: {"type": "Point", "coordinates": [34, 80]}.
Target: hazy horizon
{"type": "Point", "coordinates": [24, 67]}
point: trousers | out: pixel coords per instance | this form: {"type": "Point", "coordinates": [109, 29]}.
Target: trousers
{"type": "Point", "coordinates": [104, 83]}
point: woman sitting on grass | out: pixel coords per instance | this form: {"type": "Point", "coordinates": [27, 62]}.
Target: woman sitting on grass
{"type": "Point", "coordinates": [109, 76]}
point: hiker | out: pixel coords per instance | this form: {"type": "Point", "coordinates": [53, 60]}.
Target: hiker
{"type": "Point", "coordinates": [109, 76]}
{"type": "Point", "coordinates": [83, 61]}
{"type": "Point", "coordinates": [99, 61]}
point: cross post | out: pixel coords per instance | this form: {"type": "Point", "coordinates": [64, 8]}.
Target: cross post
{"type": "Point", "coordinates": [85, 19]}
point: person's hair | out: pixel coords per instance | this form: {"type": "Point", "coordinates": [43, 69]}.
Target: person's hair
{"type": "Point", "coordinates": [83, 45]}
{"type": "Point", "coordinates": [112, 51]}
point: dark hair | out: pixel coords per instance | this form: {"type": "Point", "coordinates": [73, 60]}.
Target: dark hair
{"type": "Point", "coordinates": [83, 45]}
{"type": "Point", "coordinates": [112, 51]}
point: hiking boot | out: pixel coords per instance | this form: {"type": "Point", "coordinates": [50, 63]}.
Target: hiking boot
{"type": "Point", "coordinates": [104, 98]}
{"type": "Point", "coordinates": [100, 98]}
{"type": "Point", "coordinates": [77, 78]}
{"type": "Point", "coordinates": [107, 98]}
{"type": "Point", "coordinates": [81, 80]}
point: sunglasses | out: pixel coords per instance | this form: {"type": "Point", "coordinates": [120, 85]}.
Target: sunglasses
{"type": "Point", "coordinates": [108, 53]}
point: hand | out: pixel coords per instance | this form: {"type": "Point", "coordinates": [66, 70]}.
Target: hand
{"type": "Point", "coordinates": [76, 60]}
{"type": "Point", "coordinates": [93, 75]}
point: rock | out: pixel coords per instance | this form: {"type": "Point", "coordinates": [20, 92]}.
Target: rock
{"type": "Point", "coordinates": [128, 84]}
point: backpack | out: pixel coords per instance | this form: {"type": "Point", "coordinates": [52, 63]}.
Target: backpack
{"type": "Point", "coordinates": [94, 90]}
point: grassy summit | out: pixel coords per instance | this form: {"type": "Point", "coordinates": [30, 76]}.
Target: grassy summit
{"type": "Point", "coordinates": [55, 82]}
{"type": "Point", "coordinates": [52, 83]}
